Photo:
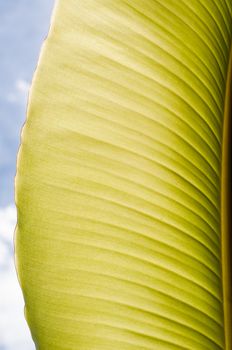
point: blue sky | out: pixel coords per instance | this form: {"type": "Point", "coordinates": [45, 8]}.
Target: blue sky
{"type": "Point", "coordinates": [23, 27]}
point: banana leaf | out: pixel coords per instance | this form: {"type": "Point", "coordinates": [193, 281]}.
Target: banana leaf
{"type": "Point", "coordinates": [122, 178]}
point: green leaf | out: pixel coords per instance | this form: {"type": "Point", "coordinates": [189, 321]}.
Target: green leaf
{"type": "Point", "coordinates": [118, 186]}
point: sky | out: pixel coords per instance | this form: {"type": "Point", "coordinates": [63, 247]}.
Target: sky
{"type": "Point", "coordinates": [24, 25]}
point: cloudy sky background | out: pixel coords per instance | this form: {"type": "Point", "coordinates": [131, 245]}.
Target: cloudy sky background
{"type": "Point", "coordinates": [23, 27]}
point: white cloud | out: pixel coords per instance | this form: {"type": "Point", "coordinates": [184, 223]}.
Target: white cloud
{"type": "Point", "coordinates": [20, 92]}
{"type": "Point", "coordinates": [7, 224]}
{"type": "Point", "coordinates": [7, 221]}
{"type": "Point", "coordinates": [14, 331]}
{"type": "Point", "coordinates": [22, 86]}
